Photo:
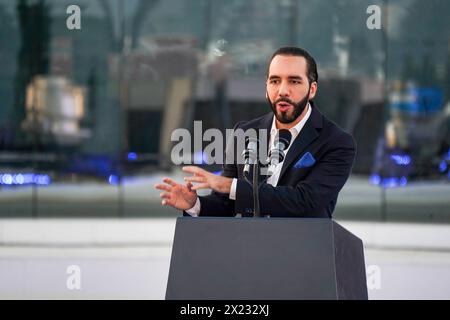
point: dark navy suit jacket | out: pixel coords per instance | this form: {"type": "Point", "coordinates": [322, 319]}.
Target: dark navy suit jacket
{"type": "Point", "coordinates": [305, 188]}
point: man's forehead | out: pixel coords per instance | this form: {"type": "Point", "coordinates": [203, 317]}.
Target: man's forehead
{"type": "Point", "coordinates": [288, 64]}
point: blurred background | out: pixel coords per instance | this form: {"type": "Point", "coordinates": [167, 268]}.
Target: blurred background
{"type": "Point", "coordinates": [86, 117]}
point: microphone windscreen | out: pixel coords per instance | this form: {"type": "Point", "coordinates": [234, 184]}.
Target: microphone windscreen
{"type": "Point", "coordinates": [251, 143]}
{"type": "Point", "coordinates": [285, 137]}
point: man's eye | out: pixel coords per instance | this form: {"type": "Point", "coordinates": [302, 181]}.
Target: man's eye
{"type": "Point", "coordinates": [274, 81]}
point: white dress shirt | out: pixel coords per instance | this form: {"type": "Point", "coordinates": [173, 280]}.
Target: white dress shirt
{"type": "Point", "coordinates": [273, 179]}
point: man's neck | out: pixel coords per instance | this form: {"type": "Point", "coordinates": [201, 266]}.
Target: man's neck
{"type": "Point", "coordinates": [290, 125]}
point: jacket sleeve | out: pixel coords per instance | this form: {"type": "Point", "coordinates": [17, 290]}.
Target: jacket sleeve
{"type": "Point", "coordinates": [310, 196]}
{"type": "Point", "coordinates": [220, 204]}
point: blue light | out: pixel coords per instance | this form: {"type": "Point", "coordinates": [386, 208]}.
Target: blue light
{"type": "Point", "coordinates": [401, 160]}
{"type": "Point", "coordinates": [200, 157]}
{"type": "Point", "coordinates": [132, 156]}
{"type": "Point", "coordinates": [375, 179]}
{"type": "Point", "coordinates": [28, 178]}
{"type": "Point", "coordinates": [42, 179]}
{"type": "Point", "coordinates": [390, 182]}
{"type": "Point", "coordinates": [447, 157]}
{"type": "Point", "coordinates": [217, 173]}
{"type": "Point", "coordinates": [12, 179]}
{"type": "Point", "coordinates": [443, 166]}
{"type": "Point", "coordinates": [19, 179]}
{"type": "Point", "coordinates": [403, 181]}
{"type": "Point", "coordinates": [113, 179]}
{"type": "Point", "coordinates": [7, 179]}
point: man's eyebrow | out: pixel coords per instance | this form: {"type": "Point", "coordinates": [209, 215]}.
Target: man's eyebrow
{"type": "Point", "coordinates": [289, 77]}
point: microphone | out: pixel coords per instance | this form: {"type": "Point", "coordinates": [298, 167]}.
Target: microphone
{"type": "Point", "coordinates": [250, 154]}
{"type": "Point", "coordinates": [276, 154]}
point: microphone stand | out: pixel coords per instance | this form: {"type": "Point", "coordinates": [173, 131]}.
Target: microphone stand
{"type": "Point", "coordinates": [255, 185]}
{"type": "Point", "coordinates": [254, 182]}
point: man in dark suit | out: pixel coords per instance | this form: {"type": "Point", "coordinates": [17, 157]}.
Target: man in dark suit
{"type": "Point", "coordinates": [317, 164]}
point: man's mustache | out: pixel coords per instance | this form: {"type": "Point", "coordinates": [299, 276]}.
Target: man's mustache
{"type": "Point", "coordinates": [284, 100]}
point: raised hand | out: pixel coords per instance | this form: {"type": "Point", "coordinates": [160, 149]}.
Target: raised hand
{"type": "Point", "coordinates": [176, 195]}
{"type": "Point", "coordinates": [207, 180]}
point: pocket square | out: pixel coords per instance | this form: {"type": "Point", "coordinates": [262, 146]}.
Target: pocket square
{"type": "Point", "coordinates": [307, 160]}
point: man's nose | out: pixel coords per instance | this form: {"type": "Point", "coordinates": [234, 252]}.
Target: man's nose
{"type": "Point", "coordinates": [283, 90]}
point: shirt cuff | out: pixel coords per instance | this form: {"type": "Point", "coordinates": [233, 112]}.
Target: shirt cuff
{"type": "Point", "coordinates": [232, 195]}
{"type": "Point", "coordinates": [195, 210]}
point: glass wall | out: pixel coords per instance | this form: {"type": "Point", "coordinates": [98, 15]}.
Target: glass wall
{"type": "Point", "coordinates": [90, 95]}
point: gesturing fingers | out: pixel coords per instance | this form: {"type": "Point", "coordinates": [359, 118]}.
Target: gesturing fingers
{"type": "Point", "coordinates": [201, 186]}
{"type": "Point", "coordinates": [199, 176]}
{"type": "Point", "coordinates": [195, 170]}
{"type": "Point", "coordinates": [165, 195]}
{"type": "Point", "coordinates": [195, 179]}
{"type": "Point", "coordinates": [164, 187]}
{"type": "Point", "coordinates": [170, 181]}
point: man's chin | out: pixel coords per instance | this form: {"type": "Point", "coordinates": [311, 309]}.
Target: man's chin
{"type": "Point", "coordinates": [284, 118]}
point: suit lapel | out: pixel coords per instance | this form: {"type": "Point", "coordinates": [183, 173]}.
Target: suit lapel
{"type": "Point", "coordinates": [266, 124]}
{"type": "Point", "coordinates": [306, 136]}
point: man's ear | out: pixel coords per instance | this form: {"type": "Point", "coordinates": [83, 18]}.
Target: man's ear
{"type": "Point", "coordinates": [312, 90]}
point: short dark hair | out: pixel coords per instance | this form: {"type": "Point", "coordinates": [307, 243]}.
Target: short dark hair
{"type": "Point", "coordinates": [298, 52]}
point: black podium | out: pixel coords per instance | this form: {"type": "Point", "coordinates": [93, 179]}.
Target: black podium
{"type": "Point", "coordinates": [265, 258]}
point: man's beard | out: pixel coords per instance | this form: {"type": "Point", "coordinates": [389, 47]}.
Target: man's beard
{"type": "Point", "coordinates": [284, 116]}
